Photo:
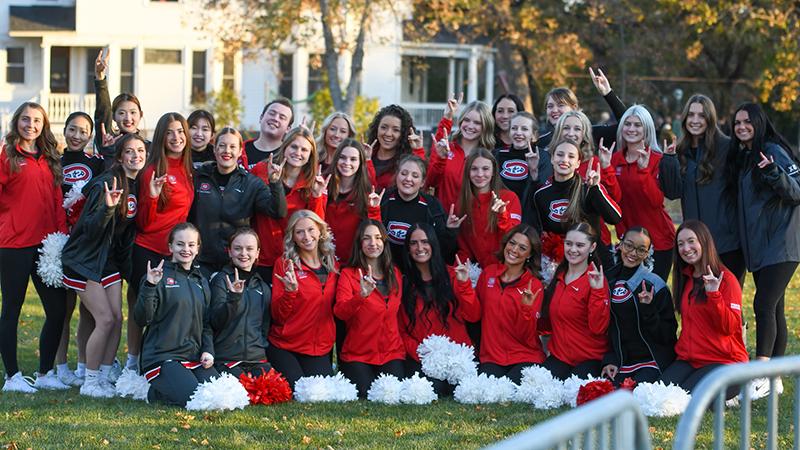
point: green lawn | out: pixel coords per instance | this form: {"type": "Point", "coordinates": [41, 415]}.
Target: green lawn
{"type": "Point", "coordinates": [71, 421]}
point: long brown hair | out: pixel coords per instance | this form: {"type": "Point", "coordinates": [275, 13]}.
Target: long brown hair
{"type": "Point", "coordinates": [46, 143]}
{"type": "Point", "coordinates": [385, 262]}
{"type": "Point", "coordinates": [119, 172]}
{"type": "Point", "coordinates": [533, 263]}
{"type": "Point", "coordinates": [309, 170]}
{"type": "Point", "coordinates": [158, 153]}
{"type": "Point", "coordinates": [574, 212]}
{"type": "Point", "coordinates": [709, 258]}
{"type": "Point", "coordinates": [361, 184]}
{"type": "Point", "coordinates": [468, 194]}
{"type": "Point", "coordinates": [705, 168]}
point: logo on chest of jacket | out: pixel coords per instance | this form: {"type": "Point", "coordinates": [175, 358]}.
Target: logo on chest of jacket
{"type": "Point", "coordinates": [450, 154]}
{"type": "Point", "coordinates": [620, 293]}
{"type": "Point", "coordinates": [171, 283]}
{"type": "Point", "coordinates": [490, 282]}
{"type": "Point", "coordinates": [205, 188]}
{"type": "Point", "coordinates": [514, 169]}
{"type": "Point", "coordinates": [132, 204]}
{"type": "Point", "coordinates": [76, 172]}
{"type": "Point", "coordinates": [172, 179]}
{"type": "Point", "coordinates": [557, 209]}
{"type": "Point", "coordinates": [301, 274]}
{"type": "Point", "coordinates": [397, 231]}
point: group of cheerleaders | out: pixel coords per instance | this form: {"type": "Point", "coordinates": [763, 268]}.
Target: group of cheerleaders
{"type": "Point", "coordinates": [295, 252]}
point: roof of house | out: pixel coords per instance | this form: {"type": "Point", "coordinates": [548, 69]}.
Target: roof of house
{"type": "Point", "coordinates": [42, 18]}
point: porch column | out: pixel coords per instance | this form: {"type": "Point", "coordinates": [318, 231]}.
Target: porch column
{"type": "Point", "coordinates": [44, 94]}
{"type": "Point", "coordinates": [114, 68]}
{"type": "Point", "coordinates": [451, 77]}
{"type": "Point", "coordinates": [489, 78]}
{"type": "Point", "coordinates": [472, 76]}
{"type": "Point", "coordinates": [187, 61]}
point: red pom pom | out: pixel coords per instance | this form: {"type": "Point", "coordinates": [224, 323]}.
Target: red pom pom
{"type": "Point", "coordinates": [267, 388]}
{"type": "Point", "coordinates": [593, 390]}
{"type": "Point", "coordinates": [628, 383]}
{"type": "Point", "coordinates": [553, 246]}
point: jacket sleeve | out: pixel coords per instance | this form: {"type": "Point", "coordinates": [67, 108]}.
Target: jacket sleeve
{"type": "Point", "coordinates": [512, 216]}
{"type": "Point", "coordinates": [608, 178]}
{"type": "Point", "coordinates": [374, 213]}
{"type": "Point", "coordinates": [658, 317]}
{"type": "Point", "coordinates": [318, 204]}
{"type": "Point", "coordinates": [469, 308]}
{"type": "Point", "coordinates": [147, 303]}
{"type": "Point", "coordinates": [602, 203]}
{"type": "Point", "coordinates": [267, 317]}
{"type": "Point", "coordinates": [649, 185]}
{"type": "Point", "coordinates": [599, 309]}
{"type": "Point", "coordinates": [223, 303]}
{"type": "Point", "coordinates": [669, 176]}
{"type": "Point", "coordinates": [783, 176]}
{"type": "Point", "coordinates": [270, 199]}
{"type": "Point", "coordinates": [281, 306]}
{"type": "Point", "coordinates": [544, 172]}
{"type": "Point", "coordinates": [447, 236]}
{"type": "Point", "coordinates": [148, 206]}
{"type": "Point", "coordinates": [207, 344]}
{"type": "Point", "coordinates": [348, 295]}
{"type": "Point", "coordinates": [611, 356]}
{"type": "Point", "coordinates": [726, 305]}
{"type": "Point", "coordinates": [95, 215]}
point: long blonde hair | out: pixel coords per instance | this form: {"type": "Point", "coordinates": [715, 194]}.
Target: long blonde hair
{"type": "Point", "coordinates": [322, 150]}
{"type": "Point", "coordinates": [325, 248]}
{"type": "Point", "coordinates": [487, 122]}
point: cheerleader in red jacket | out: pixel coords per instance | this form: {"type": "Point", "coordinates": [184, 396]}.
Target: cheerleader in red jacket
{"type": "Point", "coordinates": [367, 300]}
{"type": "Point", "coordinates": [304, 186]}
{"type": "Point", "coordinates": [436, 299]}
{"type": "Point", "coordinates": [709, 300]}
{"type": "Point", "coordinates": [391, 136]}
{"type": "Point", "coordinates": [488, 211]}
{"type": "Point", "coordinates": [303, 287]}
{"type": "Point", "coordinates": [510, 294]}
{"type": "Point", "coordinates": [337, 127]}
{"type": "Point", "coordinates": [575, 308]}
{"type": "Point", "coordinates": [351, 196]}
{"type": "Point", "coordinates": [30, 209]}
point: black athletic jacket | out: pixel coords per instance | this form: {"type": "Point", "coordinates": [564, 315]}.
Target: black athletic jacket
{"type": "Point", "coordinates": [513, 168]}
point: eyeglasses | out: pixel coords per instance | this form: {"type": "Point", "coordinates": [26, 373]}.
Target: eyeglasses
{"type": "Point", "coordinates": [639, 251]}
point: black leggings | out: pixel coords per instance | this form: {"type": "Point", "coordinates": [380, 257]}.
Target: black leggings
{"type": "Point", "coordinates": [294, 366]}
{"type": "Point", "coordinates": [17, 265]}
{"type": "Point", "coordinates": [175, 384]}
{"type": "Point", "coordinates": [513, 371]}
{"type": "Point", "coordinates": [662, 263]}
{"type": "Point", "coordinates": [768, 304]}
{"type": "Point", "coordinates": [363, 374]}
{"type": "Point", "coordinates": [684, 375]}
{"type": "Point", "coordinates": [562, 370]}
{"type": "Point", "coordinates": [140, 256]}
{"type": "Point", "coordinates": [254, 369]}
{"type": "Point", "coordinates": [734, 261]}
{"type": "Point", "coordinates": [441, 387]}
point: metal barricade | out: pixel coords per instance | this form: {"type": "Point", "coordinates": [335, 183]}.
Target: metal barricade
{"type": "Point", "coordinates": [712, 389]}
{"type": "Point", "coordinates": [613, 421]}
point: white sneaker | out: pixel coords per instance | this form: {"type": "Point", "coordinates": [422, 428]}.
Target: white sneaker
{"type": "Point", "coordinates": [779, 386]}
{"type": "Point", "coordinates": [19, 383]}
{"type": "Point", "coordinates": [49, 381]}
{"type": "Point", "coordinates": [69, 378]}
{"type": "Point", "coordinates": [115, 372]}
{"type": "Point", "coordinates": [97, 388]}
{"type": "Point", "coordinates": [759, 388]}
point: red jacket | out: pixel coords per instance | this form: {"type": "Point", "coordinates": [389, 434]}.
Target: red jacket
{"type": "Point", "coordinates": [578, 320]}
{"type": "Point", "coordinates": [508, 328]}
{"type": "Point", "coordinates": [468, 310]}
{"type": "Point", "coordinates": [711, 332]}
{"type": "Point", "coordinates": [154, 223]}
{"type": "Point", "coordinates": [271, 230]}
{"type": "Point", "coordinates": [608, 179]}
{"type": "Point", "coordinates": [344, 224]}
{"type": "Point", "coordinates": [30, 202]}
{"type": "Point", "coordinates": [302, 321]}
{"type": "Point", "coordinates": [446, 174]}
{"type": "Point", "coordinates": [474, 241]}
{"type": "Point", "coordinates": [642, 200]}
{"type": "Point", "coordinates": [373, 335]}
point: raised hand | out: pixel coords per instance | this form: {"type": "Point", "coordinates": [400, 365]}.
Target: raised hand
{"type": "Point", "coordinates": [593, 176]}
{"type": "Point", "coordinates": [416, 140]}
{"type": "Point", "coordinates": [765, 161]}
{"type": "Point", "coordinates": [368, 148]}
{"type": "Point", "coordinates": [207, 360]}
{"type": "Point", "coordinates": [604, 153]}
{"type": "Point", "coordinates": [595, 276]}
{"type": "Point", "coordinates": [452, 105]}
{"type": "Point", "coordinates": [154, 274]}
{"type": "Point", "coordinates": [498, 205]}
{"type": "Point", "coordinates": [101, 64]}
{"type": "Point", "coordinates": [532, 158]}
{"type": "Point", "coordinates": [462, 269]}
{"type": "Point", "coordinates": [600, 81]}
{"type": "Point", "coordinates": [646, 296]}
{"type": "Point", "coordinates": [374, 199]}
{"type": "Point", "coordinates": [528, 296]}
{"type": "Point", "coordinates": [320, 184]}
{"type": "Point", "coordinates": [157, 184]}
{"type": "Point", "coordinates": [443, 147]}
{"type": "Point", "coordinates": [453, 221]}
{"type": "Point", "coordinates": [643, 159]}
{"type": "Point", "coordinates": [711, 282]}
{"type": "Point", "coordinates": [289, 279]}
{"type": "Point", "coordinates": [670, 149]}
{"type": "Point", "coordinates": [304, 124]}
{"type": "Point", "coordinates": [367, 282]}
{"type": "Point", "coordinates": [112, 195]}
{"type": "Point", "coordinates": [108, 140]}
{"type": "Point", "coordinates": [274, 171]}
{"type": "Point", "coordinates": [610, 371]}
{"type": "Point", "coordinates": [236, 286]}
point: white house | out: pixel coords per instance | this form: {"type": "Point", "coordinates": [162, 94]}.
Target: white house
{"type": "Point", "coordinates": [48, 48]}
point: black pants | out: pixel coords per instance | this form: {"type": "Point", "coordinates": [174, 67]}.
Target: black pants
{"type": "Point", "coordinates": [513, 372]}
{"type": "Point", "coordinates": [17, 265]}
{"type": "Point", "coordinates": [562, 370]}
{"type": "Point", "coordinates": [684, 375]}
{"type": "Point", "coordinates": [441, 387]}
{"type": "Point", "coordinates": [768, 304]}
{"type": "Point", "coordinates": [294, 366]}
{"type": "Point", "coordinates": [175, 384]}
{"type": "Point", "coordinates": [662, 263]}
{"type": "Point", "coordinates": [643, 375]}
{"type": "Point", "coordinates": [734, 261]}
{"type": "Point", "coordinates": [363, 374]}
{"type": "Point", "coordinates": [254, 369]}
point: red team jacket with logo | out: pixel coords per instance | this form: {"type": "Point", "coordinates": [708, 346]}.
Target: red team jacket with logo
{"type": "Point", "coordinates": [154, 223]}
{"type": "Point", "coordinates": [474, 239]}
{"type": "Point", "coordinates": [344, 222]}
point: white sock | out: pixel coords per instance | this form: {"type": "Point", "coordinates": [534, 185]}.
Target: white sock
{"type": "Point", "coordinates": [105, 369]}
{"type": "Point", "coordinates": [81, 370]}
{"type": "Point", "coordinates": [133, 362]}
{"type": "Point", "coordinates": [62, 368]}
{"type": "Point", "coordinates": [92, 375]}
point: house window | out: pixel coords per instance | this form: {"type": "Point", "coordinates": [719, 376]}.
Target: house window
{"type": "Point", "coordinates": [126, 73]}
{"type": "Point", "coordinates": [91, 56]}
{"type": "Point", "coordinates": [198, 77]}
{"type": "Point", "coordinates": [162, 56]}
{"type": "Point", "coordinates": [316, 74]}
{"type": "Point", "coordinates": [424, 79]}
{"type": "Point", "coordinates": [59, 70]}
{"type": "Point", "coordinates": [227, 71]}
{"type": "Point", "coordinates": [15, 65]}
{"type": "Point", "coordinates": [286, 75]}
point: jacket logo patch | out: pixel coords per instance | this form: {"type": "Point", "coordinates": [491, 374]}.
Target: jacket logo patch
{"type": "Point", "coordinates": [618, 170]}
{"type": "Point", "coordinates": [620, 293]}
{"type": "Point", "coordinates": [557, 209]}
{"type": "Point", "coordinates": [76, 172]}
{"type": "Point", "coordinates": [397, 231]}
{"type": "Point", "coordinates": [490, 282]}
{"type": "Point", "coordinates": [171, 283]}
{"type": "Point", "coordinates": [205, 188]}
{"type": "Point", "coordinates": [792, 170]}
{"type": "Point", "coordinates": [301, 274]}
{"type": "Point", "coordinates": [450, 154]}
{"type": "Point", "coordinates": [736, 307]}
{"type": "Point", "coordinates": [514, 169]}
{"type": "Point", "coordinates": [172, 179]}
{"type": "Point", "coordinates": [132, 203]}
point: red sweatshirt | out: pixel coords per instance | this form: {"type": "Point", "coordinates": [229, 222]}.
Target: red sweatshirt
{"type": "Point", "coordinates": [345, 222]}
{"type": "Point", "coordinates": [154, 223]}
{"type": "Point", "coordinates": [270, 230]}
{"type": "Point", "coordinates": [711, 332]}
{"type": "Point", "coordinates": [373, 335]}
{"type": "Point", "coordinates": [474, 240]}
{"type": "Point", "coordinates": [608, 178]}
{"type": "Point", "coordinates": [302, 321]}
{"type": "Point", "coordinates": [508, 328]}
{"type": "Point", "coordinates": [30, 204]}
{"type": "Point", "coordinates": [578, 320]}
{"type": "Point", "coordinates": [468, 310]}
{"type": "Point", "coordinates": [643, 201]}
{"type": "Point", "coordinates": [446, 174]}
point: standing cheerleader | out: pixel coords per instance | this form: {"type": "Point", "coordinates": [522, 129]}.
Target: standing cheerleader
{"type": "Point", "coordinates": [165, 198]}
{"type": "Point", "coordinates": [510, 294]}
{"type": "Point", "coordinates": [392, 131]}
{"type": "Point", "coordinates": [575, 308]}
{"type": "Point", "coordinates": [201, 135]}
{"type": "Point", "coordinates": [30, 209]}
{"type": "Point", "coordinates": [302, 333]}
{"type": "Point", "coordinates": [503, 109]}
{"type": "Point", "coordinates": [276, 118]}
{"type": "Point", "coordinates": [240, 309]}
{"type": "Point", "coordinates": [368, 301]}
{"type": "Point", "coordinates": [764, 179]}
{"type": "Point", "coordinates": [643, 328]}
{"type": "Point", "coordinates": [337, 127]}
{"type": "Point", "coordinates": [709, 300]}
{"type": "Point", "coordinates": [636, 164]}
{"type": "Point", "coordinates": [173, 308]}
{"type": "Point", "coordinates": [97, 256]}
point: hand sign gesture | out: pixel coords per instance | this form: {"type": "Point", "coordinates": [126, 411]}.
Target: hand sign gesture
{"type": "Point", "coordinates": [532, 158]}
{"type": "Point", "coordinates": [711, 282]}
{"type": "Point", "coordinates": [643, 160]}
{"type": "Point", "coordinates": [274, 171]}
{"type": "Point", "coordinates": [443, 147]}
{"type": "Point", "coordinates": [646, 296]}
{"type": "Point", "coordinates": [320, 184]}
{"type": "Point", "coordinates": [416, 140]}
{"type": "Point", "coordinates": [157, 184]}
{"type": "Point", "coordinates": [237, 285]}
{"type": "Point", "coordinates": [604, 153]}
{"type": "Point", "coordinates": [610, 371]}
{"type": "Point", "coordinates": [670, 149]}
{"type": "Point", "coordinates": [374, 199]}
{"type": "Point", "coordinates": [289, 279]}
{"type": "Point", "coordinates": [101, 64]}
{"type": "Point", "coordinates": [593, 176]}
{"type": "Point", "coordinates": [595, 276]}
{"type": "Point", "coordinates": [600, 81]}
{"type": "Point", "coordinates": [765, 161]}
{"type": "Point", "coordinates": [462, 269]}
{"type": "Point", "coordinates": [310, 129]}
{"type": "Point", "coordinates": [112, 195]}
{"type": "Point", "coordinates": [528, 296]}
{"type": "Point", "coordinates": [498, 205]}
{"type": "Point", "coordinates": [154, 274]}
{"type": "Point", "coordinates": [367, 282]}
{"type": "Point", "coordinates": [108, 140]}
{"type": "Point", "coordinates": [452, 105]}
{"type": "Point", "coordinates": [453, 221]}
{"type": "Point", "coordinates": [368, 148]}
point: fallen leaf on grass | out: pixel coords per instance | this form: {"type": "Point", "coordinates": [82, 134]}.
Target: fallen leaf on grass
{"type": "Point", "coordinates": [173, 430]}
{"type": "Point", "coordinates": [186, 426]}
{"type": "Point", "coordinates": [399, 433]}
{"type": "Point", "coordinates": [306, 440]}
{"type": "Point", "coordinates": [204, 441]}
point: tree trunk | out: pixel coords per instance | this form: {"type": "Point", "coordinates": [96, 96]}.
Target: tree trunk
{"type": "Point", "coordinates": [357, 63]}
{"type": "Point", "coordinates": [533, 91]}
{"type": "Point", "coordinates": [331, 57]}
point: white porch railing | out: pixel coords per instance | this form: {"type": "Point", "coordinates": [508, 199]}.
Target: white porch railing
{"type": "Point", "coordinates": [59, 106]}
{"type": "Point", "coordinates": [425, 115]}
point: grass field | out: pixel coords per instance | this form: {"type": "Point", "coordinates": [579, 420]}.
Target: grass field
{"type": "Point", "coordinates": [67, 420]}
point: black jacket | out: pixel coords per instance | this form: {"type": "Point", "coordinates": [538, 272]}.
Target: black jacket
{"type": "Point", "coordinates": [240, 321]}
{"type": "Point", "coordinates": [217, 212]}
{"type": "Point", "coordinates": [513, 168]}
{"type": "Point", "coordinates": [175, 317]}
{"type": "Point", "coordinates": [101, 234]}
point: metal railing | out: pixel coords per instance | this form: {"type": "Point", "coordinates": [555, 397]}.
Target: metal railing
{"type": "Point", "coordinates": [613, 421]}
{"type": "Point", "coordinates": [712, 389]}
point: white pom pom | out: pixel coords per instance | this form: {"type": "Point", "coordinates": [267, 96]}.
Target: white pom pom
{"type": "Point", "coordinates": [223, 393]}
{"type": "Point", "coordinates": [443, 359]}
{"type": "Point", "coordinates": [539, 388]}
{"type": "Point", "coordinates": [548, 269]}
{"type": "Point", "coordinates": [485, 389]}
{"type": "Point", "coordinates": [659, 400]}
{"type": "Point", "coordinates": [74, 195]}
{"type": "Point", "coordinates": [417, 391]}
{"type": "Point", "coordinates": [385, 389]}
{"type": "Point", "coordinates": [474, 273]}
{"type": "Point", "coordinates": [325, 389]}
{"type": "Point", "coordinates": [49, 264]}
{"type": "Point", "coordinates": [131, 384]}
